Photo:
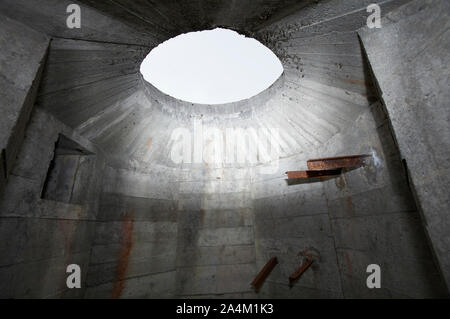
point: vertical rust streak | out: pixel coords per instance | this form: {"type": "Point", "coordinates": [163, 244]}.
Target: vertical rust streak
{"type": "Point", "coordinates": [349, 264]}
{"type": "Point", "coordinates": [126, 244]}
{"type": "Point", "coordinates": [149, 142]}
{"type": "Point", "coordinates": [67, 229]}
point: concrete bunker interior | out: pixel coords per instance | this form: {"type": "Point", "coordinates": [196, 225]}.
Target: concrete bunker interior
{"type": "Point", "coordinates": [140, 225]}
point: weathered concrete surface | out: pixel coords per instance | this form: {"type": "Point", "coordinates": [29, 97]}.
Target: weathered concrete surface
{"type": "Point", "coordinates": [365, 216]}
{"type": "Point", "coordinates": [39, 237]}
{"type": "Point", "coordinates": [347, 219]}
{"type": "Point", "coordinates": [169, 230]}
{"type": "Point", "coordinates": [21, 63]}
{"type": "Point", "coordinates": [50, 16]}
{"type": "Point", "coordinates": [216, 244]}
{"type": "Point", "coordinates": [134, 249]}
{"type": "Point", "coordinates": [200, 14]}
{"type": "Point", "coordinates": [231, 220]}
{"type": "Point", "coordinates": [409, 58]}
{"type": "Point", "coordinates": [204, 251]}
{"type": "Point", "coordinates": [82, 79]}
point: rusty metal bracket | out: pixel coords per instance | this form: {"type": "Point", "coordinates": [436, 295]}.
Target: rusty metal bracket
{"type": "Point", "coordinates": [329, 167]}
{"type": "Point", "coordinates": [264, 273]}
{"type": "Point", "coordinates": [309, 255]}
{"type": "Point", "coordinates": [339, 162]}
{"type": "Point", "coordinates": [313, 173]}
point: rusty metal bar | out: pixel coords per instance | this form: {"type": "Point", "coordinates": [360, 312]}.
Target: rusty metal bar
{"type": "Point", "coordinates": [264, 273]}
{"type": "Point", "coordinates": [313, 173]}
{"type": "Point", "coordinates": [337, 162]}
{"type": "Point", "coordinates": [301, 270]}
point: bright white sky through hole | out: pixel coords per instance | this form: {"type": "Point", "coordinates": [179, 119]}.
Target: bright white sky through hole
{"type": "Point", "coordinates": [211, 67]}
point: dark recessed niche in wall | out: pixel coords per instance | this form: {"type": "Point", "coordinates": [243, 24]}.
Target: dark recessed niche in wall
{"type": "Point", "coordinates": [69, 174]}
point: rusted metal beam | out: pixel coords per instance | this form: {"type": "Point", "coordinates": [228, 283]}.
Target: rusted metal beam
{"type": "Point", "coordinates": [330, 163]}
{"type": "Point", "coordinates": [264, 273]}
{"type": "Point", "coordinates": [313, 173]}
{"type": "Point", "coordinates": [308, 262]}
{"type": "Point", "coordinates": [309, 256]}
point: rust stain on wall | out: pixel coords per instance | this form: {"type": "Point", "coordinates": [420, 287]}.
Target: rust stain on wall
{"type": "Point", "coordinates": [126, 244]}
{"type": "Point", "coordinates": [67, 229]}
{"type": "Point", "coordinates": [340, 183]}
{"type": "Point", "coordinates": [349, 205]}
{"type": "Point", "coordinates": [149, 142]}
{"type": "Point", "coordinates": [349, 264]}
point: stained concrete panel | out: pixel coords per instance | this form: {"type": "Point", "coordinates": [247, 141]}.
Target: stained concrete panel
{"type": "Point", "coordinates": [21, 64]}
{"type": "Point", "coordinates": [409, 59]}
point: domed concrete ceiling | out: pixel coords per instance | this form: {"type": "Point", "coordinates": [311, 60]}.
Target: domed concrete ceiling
{"type": "Point", "coordinates": [133, 122]}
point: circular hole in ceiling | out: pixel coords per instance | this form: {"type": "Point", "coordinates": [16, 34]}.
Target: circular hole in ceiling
{"type": "Point", "coordinates": [211, 67]}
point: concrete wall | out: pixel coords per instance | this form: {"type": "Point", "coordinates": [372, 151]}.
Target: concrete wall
{"type": "Point", "coordinates": [409, 58]}
{"type": "Point", "coordinates": [155, 228]}
{"type": "Point", "coordinates": [366, 216]}
{"type": "Point", "coordinates": [82, 79]}
{"type": "Point", "coordinates": [228, 221]}
{"type": "Point", "coordinates": [21, 63]}
{"type": "Point", "coordinates": [135, 244]}
{"type": "Point", "coordinates": [40, 238]}
{"type": "Point", "coordinates": [50, 17]}
{"type": "Point", "coordinates": [163, 234]}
